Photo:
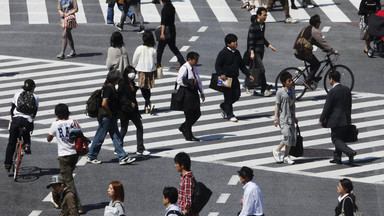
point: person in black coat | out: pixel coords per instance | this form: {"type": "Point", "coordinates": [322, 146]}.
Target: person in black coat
{"type": "Point", "coordinates": [128, 108]}
{"type": "Point", "coordinates": [228, 63]}
{"type": "Point", "coordinates": [346, 199]}
{"type": "Point", "coordinates": [337, 116]}
{"type": "Point", "coordinates": [366, 8]}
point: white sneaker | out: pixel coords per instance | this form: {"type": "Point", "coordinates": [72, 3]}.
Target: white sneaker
{"type": "Point", "coordinates": [127, 160]}
{"type": "Point", "coordinates": [94, 161]}
{"type": "Point", "coordinates": [288, 160]}
{"type": "Point", "coordinates": [310, 6]}
{"type": "Point", "coordinates": [151, 109]}
{"type": "Point", "coordinates": [277, 155]}
{"type": "Point", "coordinates": [290, 20]}
{"type": "Point", "coordinates": [233, 119]}
{"type": "Point", "coordinates": [145, 153]}
{"type": "Point", "coordinates": [267, 93]}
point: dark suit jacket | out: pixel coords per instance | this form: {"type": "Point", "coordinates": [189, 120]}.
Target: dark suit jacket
{"type": "Point", "coordinates": [337, 107]}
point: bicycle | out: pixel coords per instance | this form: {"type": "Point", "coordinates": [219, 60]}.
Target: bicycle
{"type": "Point", "coordinates": [299, 75]}
{"type": "Point", "coordinates": [19, 153]}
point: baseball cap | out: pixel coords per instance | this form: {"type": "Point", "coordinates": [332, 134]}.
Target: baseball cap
{"type": "Point", "coordinates": [56, 179]}
{"type": "Point", "coordinates": [245, 172]}
{"type": "Point", "coordinates": [28, 85]}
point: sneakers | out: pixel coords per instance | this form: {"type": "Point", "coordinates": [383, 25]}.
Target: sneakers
{"type": "Point", "coordinates": [290, 20]}
{"type": "Point", "coordinates": [310, 6]}
{"type": "Point", "coordinates": [249, 91]}
{"type": "Point", "coordinates": [71, 54]}
{"type": "Point", "coordinates": [267, 93]}
{"type": "Point", "coordinates": [307, 84]}
{"type": "Point", "coordinates": [126, 160]}
{"type": "Point", "coordinates": [141, 30]}
{"type": "Point", "coordinates": [288, 160]}
{"type": "Point", "coordinates": [60, 56]}
{"type": "Point", "coordinates": [151, 109]}
{"type": "Point", "coordinates": [8, 168]}
{"type": "Point", "coordinates": [146, 110]}
{"type": "Point", "coordinates": [133, 19]}
{"type": "Point", "coordinates": [145, 153]}
{"type": "Point", "coordinates": [233, 119]}
{"type": "Point", "coordinates": [223, 115]}
{"type": "Point", "coordinates": [277, 155]}
{"type": "Point", "coordinates": [119, 27]}
{"type": "Point", "coordinates": [93, 161]}
{"type": "Point", "coordinates": [27, 149]}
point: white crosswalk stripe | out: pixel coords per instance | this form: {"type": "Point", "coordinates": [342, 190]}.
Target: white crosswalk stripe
{"type": "Point", "coordinates": [248, 142]}
{"type": "Point", "coordinates": [222, 10]}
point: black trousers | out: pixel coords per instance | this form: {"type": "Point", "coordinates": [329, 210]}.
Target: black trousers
{"type": "Point", "coordinates": [127, 4]}
{"type": "Point", "coordinates": [17, 122]}
{"type": "Point", "coordinates": [231, 95]}
{"type": "Point", "coordinates": [136, 119]}
{"type": "Point", "coordinates": [172, 45]}
{"type": "Point", "coordinates": [260, 66]}
{"type": "Point", "coordinates": [146, 95]}
{"type": "Point", "coordinates": [314, 64]}
{"type": "Point", "coordinates": [191, 117]}
{"type": "Point", "coordinates": [338, 135]}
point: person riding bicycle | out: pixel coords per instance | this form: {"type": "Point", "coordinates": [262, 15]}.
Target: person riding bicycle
{"type": "Point", "coordinates": [23, 112]}
{"type": "Point", "coordinates": [303, 50]}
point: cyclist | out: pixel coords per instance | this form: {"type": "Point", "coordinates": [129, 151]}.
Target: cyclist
{"type": "Point", "coordinates": [312, 34]}
{"type": "Point", "coordinates": [23, 111]}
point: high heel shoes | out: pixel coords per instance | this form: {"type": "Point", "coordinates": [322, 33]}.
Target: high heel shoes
{"type": "Point", "coordinates": [245, 5]}
{"type": "Point", "coordinates": [251, 7]}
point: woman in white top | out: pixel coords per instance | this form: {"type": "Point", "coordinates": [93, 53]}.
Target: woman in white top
{"type": "Point", "coordinates": [144, 62]}
{"type": "Point", "coordinates": [115, 52]}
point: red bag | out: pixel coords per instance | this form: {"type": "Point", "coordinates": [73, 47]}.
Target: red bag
{"type": "Point", "coordinates": [81, 146]}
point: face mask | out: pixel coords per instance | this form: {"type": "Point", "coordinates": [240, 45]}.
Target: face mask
{"type": "Point", "coordinates": [131, 76]}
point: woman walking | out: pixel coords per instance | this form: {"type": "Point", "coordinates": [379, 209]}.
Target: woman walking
{"type": "Point", "coordinates": [116, 206]}
{"type": "Point", "coordinates": [144, 62]}
{"type": "Point", "coordinates": [67, 8]}
{"type": "Point", "coordinates": [346, 199]}
{"type": "Point", "coordinates": [117, 53]}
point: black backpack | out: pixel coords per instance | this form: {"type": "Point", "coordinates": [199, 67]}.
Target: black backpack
{"type": "Point", "coordinates": [201, 195]}
{"type": "Point", "coordinates": [26, 103]}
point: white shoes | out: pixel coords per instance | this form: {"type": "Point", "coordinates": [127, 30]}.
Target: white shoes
{"type": "Point", "coordinates": [290, 20]}
{"type": "Point", "coordinates": [277, 155]}
{"type": "Point", "coordinates": [94, 161]}
{"type": "Point", "coordinates": [145, 153]}
{"type": "Point", "coordinates": [126, 160]}
{"type": "Point", "coordinates": [233, 119]}
{"type": "Point", "coordinates": [288, 160]}
{"type": "Point", "coordinates": [267, 93]}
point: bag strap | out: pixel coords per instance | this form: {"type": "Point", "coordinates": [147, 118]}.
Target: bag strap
{"type": "Point", "coordinates": [174, 212]}
{"type": "Point", "coordinates": [298, 129]}
{"type": "Point", "coordinates": [342, 206]}
{"type": "Point", "coordinates": [175, 85]}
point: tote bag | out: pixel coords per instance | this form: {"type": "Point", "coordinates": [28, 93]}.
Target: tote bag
{"type": "Point", "coordinates": [298, 150]}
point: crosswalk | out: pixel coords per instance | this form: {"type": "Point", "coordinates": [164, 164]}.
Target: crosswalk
{"type": "Point", "coordinates": [44, 11]}
{"type": "Point", "coordinates": [247, 142]}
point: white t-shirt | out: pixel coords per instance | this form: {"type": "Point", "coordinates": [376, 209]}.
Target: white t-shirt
{"type": "Point", "coordinates": [60, 129]}
{"type": "Point", "coordinates": [20, 114]}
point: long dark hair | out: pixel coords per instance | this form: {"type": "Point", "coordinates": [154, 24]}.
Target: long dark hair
{"type": "Point", "coordinates": [348, 187]}
{"type": "Point", "coordinates": [148, 39]}
{"type": "Point", "coordinates": [116, 40]}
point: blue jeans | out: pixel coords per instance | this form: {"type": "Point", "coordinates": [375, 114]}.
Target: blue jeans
{"type": "Point", "coordinates": [110, 12]}
{"type": "Point", "coordinates": [107, 125]}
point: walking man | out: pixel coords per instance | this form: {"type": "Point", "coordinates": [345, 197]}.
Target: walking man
{"type": "Point", "coordinates": [23, 112]}
{"type": "Point", "coordinates": [190, 86]}
{"type": "Point", "coordinates": [228, 63]}
{"type": "Point", "coordinates": [337, 116]}
{"type": "Point", "coordinates": [67, 201]}
{"type": "Point", "coordinates": [108, 123]}
{"type": "Point", "coordinates": [252, 201]}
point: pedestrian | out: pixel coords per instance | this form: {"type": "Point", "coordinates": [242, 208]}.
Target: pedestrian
{"type": "Point", "coordinates": [312, 34]}
{"type": "Point", "coordinates": [337, 116]}
{"type": "Point", "coordinates": [367, 8]}
{"type": "Point", "coordinates": [136, 4]}
{"type": "Point", "coordinates": [347, 199]}
{"type": "Point", "coordinates": [228, 63]}
{"type": "Point", "coordinates": [170, 200]}
{"type": "Point", "coordinates": [67, 8]}
{"type": "Point", "coordinates": [252, 202]}
{"type": "Point", "coordinates": [144, 62]}
{"type": "Point", "coordinates": [108, 122]}
{"type": "Point", "coordinates": [187, 183]}
{"type": "Point", "coordinates": [116, 192]}
{"type": "Point", "coordinates": [129, 108]}
{"type": "Point", "coordinates": [284, 4]}
{"type": "Point", "coordinates": [117, 53]}
{"type": "Point", "coordinates": [255, 44]}
{"type": "Point", "coordinates": [23, 112]}
{"type": "Point", "coordinates": [285, 117]}
{"type": "Point", "coordinates": [120, 6]}
{"type": "Point", "coordinates": [67, 201]}
{"type": "Point", "coordinates": [168, 26]}
{"type": "Point", "coordinates": [65, 147]}
{"type": "Point", "coordinates": [190, 85]}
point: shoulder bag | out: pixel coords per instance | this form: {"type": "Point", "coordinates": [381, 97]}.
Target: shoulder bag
{"type": "Point", "coordinates": [176, 100]}
{"type": "Point", "coordinates": [355, 212]}
{"type": "Point", "coordinates": [213, 84]}
{"type": "Point", "coordinates": [298, 150]}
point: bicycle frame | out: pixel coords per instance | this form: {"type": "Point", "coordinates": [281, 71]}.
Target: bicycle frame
{"type": "Point", "coordinates": [328, 62]}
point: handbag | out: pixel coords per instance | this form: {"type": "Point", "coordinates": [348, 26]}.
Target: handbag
{"type": "Point", "coordinates": [213, 84]}
{"type": "Point", "coordinates": [176, 103]}
{"type": "Point", "coordinates": [255, 72]}
{"type": "Point", "coordinates": [355, 212]}
{"type": "Point", "coordinates": [298, 150]}
{"type": "Point", "coordinates": [70, 21]}
{"type": "Point", "coordinates": [352, 134]}
{"type": "Point", "coordinates": [167, 34]}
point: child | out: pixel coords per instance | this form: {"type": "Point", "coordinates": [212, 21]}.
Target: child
{"type": "Point", "coordinates": [116, 192]}
{"type": "Point", "coordinates": [285, 117]}
{"type": "Point", "coordinates": [169, 199]}
{"type": "Point", "coordinates": [65, 147]}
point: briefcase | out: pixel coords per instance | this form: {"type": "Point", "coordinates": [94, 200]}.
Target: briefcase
{"type": "Point", "coordinates": [352, 134]}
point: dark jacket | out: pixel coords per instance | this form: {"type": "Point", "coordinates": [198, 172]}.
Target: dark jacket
{"type": "Point", "coordinates": [368, 7]}
{"type": "Point", "coordinates": [256, 40]}
{"type": "Point", "coordinates": [168, 16]}
{"type": "Point", "coordinates": [228, 63]}
{"type": "Point", "coordinates": [127, 95]}
{"type": "Point", "coordinates": [349, 206]}
{"type": "Point", "coordinates": [337, 107]}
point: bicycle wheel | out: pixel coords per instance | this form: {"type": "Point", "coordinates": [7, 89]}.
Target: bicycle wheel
{"type": "Point", "coordinates": [346, 77]}
{"type": "Point", "coordinates": [297, 76]}
{"type": "Point", "coordinates": [17, 160]}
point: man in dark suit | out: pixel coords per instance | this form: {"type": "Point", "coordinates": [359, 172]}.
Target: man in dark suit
{"type": "Point", "coordinates": [337, 116]}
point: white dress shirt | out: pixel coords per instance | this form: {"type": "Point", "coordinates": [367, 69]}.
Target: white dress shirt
{"type": "Point", "coordinates": [253, 203]}
{"type": "Point", "coordinates": [186, 71]}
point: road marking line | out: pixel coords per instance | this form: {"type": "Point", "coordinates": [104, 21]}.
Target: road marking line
{"type": "Point", "coordinates": [173, 59]}
{"type": "Point", "coordinates": [149, 11]}
{"type": "Point", "coordinates": [222, 11]}
{"type": "Point", "coordinates": [80, 15]}
{"type": "Point", "coordinates": [82, 161]}
{"type": "Point", "coordinates": [185, 11]}
{"type": "Point", "coordinates": [223, 198]}
{"type": "Point", "coordinates": [213, 214]}
{"type": "Point", "coordinates": [326, 29]}
{"type": "Point", "coordinates": [202, 29]}
{"type": "Point", "coordinates": [300, 14]}
{"type": "Point", "coordinates": [5, 15]}
{"type": "Point", "coordinates": [355, 3]}
{"type": "Point", "coordinates": [35, 213]}
{"type": "Point", "coordinates": [48, 197]}
{"type": "Point", "coordinates": [37, 12]}
{"type": "Point", "coordinates": [234, 180]}
{"type": "Point", "coordinates": [193, 38]}
{"type": "Point", "coordinates": [184, 48]}
{"type": "Point", "coordinates": [332, 11]}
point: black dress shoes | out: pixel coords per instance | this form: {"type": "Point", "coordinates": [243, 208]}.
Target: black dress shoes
{"type": "Point", "coordinates": [351, 158]}
{"type": "Point", "coordinates": [193, 139]}
{"type": "Point", "coordinates": [336, 161]}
